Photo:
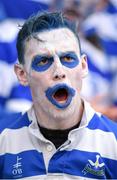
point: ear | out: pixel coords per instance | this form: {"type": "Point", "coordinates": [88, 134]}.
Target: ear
{"type": "Point", "coordinates": [84, 65]}
{"type": "Point", "coordinates": [21, 74]}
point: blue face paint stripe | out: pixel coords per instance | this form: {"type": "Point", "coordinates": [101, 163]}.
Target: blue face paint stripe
{"type": "Point", "coordinates": [38, 67]}
{"type": "Point", "coordinates": [50, 92]}
{"type": "Point", "coordinates": [37, 60]}
{"type": "Point", "coordinates": [74, 59]}
{"type": "Point", "coordinates": [69, 64]}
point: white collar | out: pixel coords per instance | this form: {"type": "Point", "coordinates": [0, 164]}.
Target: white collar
{"type": "Point", "coordinates": [34, 128]}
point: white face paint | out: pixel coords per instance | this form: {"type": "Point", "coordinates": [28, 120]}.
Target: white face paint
{"type": "Point", "coordinates": [43, 75]}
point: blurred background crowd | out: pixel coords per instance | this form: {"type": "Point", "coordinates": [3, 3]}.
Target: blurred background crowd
{"type": "Point", "coordinates": [96, 23]}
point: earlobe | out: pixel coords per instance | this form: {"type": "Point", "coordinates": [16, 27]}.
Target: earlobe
{"type": "Point", "coordinates": [84, 66]}
{"type": "Point", "coordinates": [21, 74]}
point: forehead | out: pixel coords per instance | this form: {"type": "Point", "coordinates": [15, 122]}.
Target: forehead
{"type": "Point", "coordinates": [53, 41]}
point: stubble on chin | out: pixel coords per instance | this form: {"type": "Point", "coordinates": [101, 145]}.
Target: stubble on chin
{"type": "Point", "coordinates": [56, 113]}
{"type": "Point", "coordinates": [52, 112]}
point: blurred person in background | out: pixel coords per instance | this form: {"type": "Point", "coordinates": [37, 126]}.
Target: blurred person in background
{"type": "Point", "coordinates": [13, 96]}
{"type": "Point", "coordinates": [100, 30]}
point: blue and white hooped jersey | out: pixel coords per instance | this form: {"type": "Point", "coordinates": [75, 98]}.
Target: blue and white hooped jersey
{"type": "Point", "coordinates": [89, 153]}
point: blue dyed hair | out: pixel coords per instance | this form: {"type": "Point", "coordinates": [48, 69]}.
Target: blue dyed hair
{"type": "Point", "coordinates": [38, 23]}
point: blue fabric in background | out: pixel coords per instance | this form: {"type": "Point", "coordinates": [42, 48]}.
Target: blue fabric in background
{"type": "Point", "coordinates": [12, 13]}
{"type": "Point", "coordinates": [6, 118]}
{"type": "Point", "coordinates": [23, 8]}
{"type": "Point", "coordinates": [8, 51]}
{"type": "Point", "coordinates": [20, 91]}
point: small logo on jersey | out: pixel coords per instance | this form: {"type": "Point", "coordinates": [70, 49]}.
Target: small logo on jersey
{"type": "Point", "coordinates": [17, 167]}
{"type": "Point", "coordinates": [96, 168]}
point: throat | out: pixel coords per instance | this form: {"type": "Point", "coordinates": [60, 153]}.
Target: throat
{"type": "Point", "coordinates": [57, 137]}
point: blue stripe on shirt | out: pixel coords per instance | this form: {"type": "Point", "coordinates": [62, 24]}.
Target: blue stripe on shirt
{"type": "Point", "coordinates": [15, 123]}
{"type": "Point", "coordinates": [25, 164]}
{"type": "Point", "coordinates": [103, 123]}
{"type": "Point", "coordinates": [75, 163]}
{"type": "Point", "coordinates": [6, 119]}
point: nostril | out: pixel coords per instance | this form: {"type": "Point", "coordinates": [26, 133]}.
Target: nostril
{"type": "Point", "coordinates": [63, 76]}
{"type": "Point", "coordinates": [56, 77]}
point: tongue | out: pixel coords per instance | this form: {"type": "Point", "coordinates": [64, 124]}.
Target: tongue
{"type": "Point", "coordinates": [61, 95]}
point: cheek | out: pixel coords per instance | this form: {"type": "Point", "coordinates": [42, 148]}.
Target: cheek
{"type": "Point", "coordinates": [75, 77]}
{"type": "Point", "coordinates": [38, 82]}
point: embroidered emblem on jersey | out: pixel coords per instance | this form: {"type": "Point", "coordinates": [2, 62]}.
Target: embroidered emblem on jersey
{"type": "Point", "coordinates": [96, 168]}
{"type": "Point", "coordinates": [17, 168]}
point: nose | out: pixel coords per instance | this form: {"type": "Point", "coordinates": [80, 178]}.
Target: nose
{"type": "Point", "coordinates": [59, 76]}
{"type": "Point", "coordinates": [59, 72]}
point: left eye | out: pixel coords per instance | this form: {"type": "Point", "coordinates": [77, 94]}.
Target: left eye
{"type": "Point", "coordinates": [67, 59]}
{"type": "Point", "coordinates": [43, 62]}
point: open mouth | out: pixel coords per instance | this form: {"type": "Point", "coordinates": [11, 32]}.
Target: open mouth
{"type": "Point", "coordinates": [60, 95]}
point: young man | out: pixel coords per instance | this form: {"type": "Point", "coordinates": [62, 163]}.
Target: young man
{"type": "Point", "coordinates": [61, 136]}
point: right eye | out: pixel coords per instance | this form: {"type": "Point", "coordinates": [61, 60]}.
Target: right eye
{"type": "Point", "coordinates": [43, 62]}
{"type": "Point", "coordinates": [67, 59]}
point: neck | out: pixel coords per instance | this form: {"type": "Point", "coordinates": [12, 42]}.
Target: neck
{"type": "Point", "coordinates": [53, 121]}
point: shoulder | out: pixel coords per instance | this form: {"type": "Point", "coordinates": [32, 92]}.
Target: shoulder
{"type": "Point", "coordinates": [103, 123]}
{"type": "Point", "coordinates": [13, 121]}
{"type": "Point", "coordinates": [98, 122]}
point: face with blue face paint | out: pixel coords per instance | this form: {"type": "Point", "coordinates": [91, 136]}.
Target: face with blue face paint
{"type": "Point", "coordinates": [54, 70]}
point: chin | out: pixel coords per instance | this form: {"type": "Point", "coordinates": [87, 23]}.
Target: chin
{"type": "Point", "coordinates": [61, 113]}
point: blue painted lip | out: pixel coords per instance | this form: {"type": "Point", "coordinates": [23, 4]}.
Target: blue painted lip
{"type": "Point", "coordinates": [50, 92]}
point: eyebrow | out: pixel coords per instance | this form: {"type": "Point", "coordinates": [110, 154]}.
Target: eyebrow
{"type": "Point", "coordinates": [59, 54]}
{"type": "Point", "coordinates": [42, 56]}
{"type": "Point", "coordinates": [67, 53]}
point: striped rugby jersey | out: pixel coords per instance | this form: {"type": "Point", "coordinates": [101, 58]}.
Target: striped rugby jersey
{"type": "Point", "coordinates": [89, 153]}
